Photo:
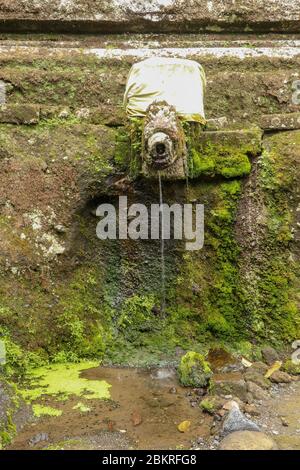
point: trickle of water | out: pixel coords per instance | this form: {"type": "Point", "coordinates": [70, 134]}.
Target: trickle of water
{"type": "Point", "coordinates": [186, 171]}
{"type": "Point", "coordinates": [162, 248]}
{"type": "Point", "coordinates": [186, 182]}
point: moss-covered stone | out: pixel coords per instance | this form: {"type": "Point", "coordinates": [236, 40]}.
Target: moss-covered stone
{"type": "Point", "coordinates": [194, 370]}
{"type": "Point", "coordinates": [19, 114]}
{"type": "Point", "coordinates": [208, 405]}
{"type": "Point", "coordinates": [102, 298]}
{"type": "Point", "coordinates": [80, 80]}
{"type": "Point", "coordinates": [224, 153]}
{"type": "Point", "coordinates": [291, 367]}
{"type": "Point", "coordinates": [270, 250]}
{"type": "Point", "coordinates": [13, 411]}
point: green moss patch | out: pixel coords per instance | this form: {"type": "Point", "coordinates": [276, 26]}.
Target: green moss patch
{"type": "Point", "coordinates": [194, 370]}
{"type": "Point", "coordinates": [291, 367]}
{"type": "Point", "coordinates": [208, 405]}
{"type": "Point", "coordinates": [222, 153]}
{"type": "Point", "coordinates": [270, 289]}
{"type": "Point", "coordinates": [214, 159]}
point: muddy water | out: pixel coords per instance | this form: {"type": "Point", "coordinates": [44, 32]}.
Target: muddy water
{"type": "Point", "coordinates": [144, 411]}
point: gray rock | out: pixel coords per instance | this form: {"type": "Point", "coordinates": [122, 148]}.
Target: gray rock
{"type": "Point", "coordinates": [237, 421]}
{"type": "Point", "coordinates": [149, 16]}
{"type": "Point", "coordinates": [37, 438]}
{"type": "Point", "coordinates": [2, 92]}
{"type": "Point", "coordinates": [269, 355]}
{"type": "Point", "coordinates": [280, 121]}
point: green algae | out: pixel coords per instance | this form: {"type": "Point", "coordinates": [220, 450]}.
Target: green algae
{"type": "Point", "coordinates": [63, 380]}
{"type": "Point", "coordinates": [41, 410]}
{"type": "Point", "coordinates": [81, 407]}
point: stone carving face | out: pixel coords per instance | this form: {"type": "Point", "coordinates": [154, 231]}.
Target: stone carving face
{"type": "Point", "coordinates": [163, 137]}
{"type": "Point", "coordinates": [161, 152]}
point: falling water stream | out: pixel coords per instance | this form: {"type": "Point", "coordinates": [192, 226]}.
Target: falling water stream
{"type": "Point", "coordinates": [162, 248]}
{"type": "Point", "coordinates": [162, 240]}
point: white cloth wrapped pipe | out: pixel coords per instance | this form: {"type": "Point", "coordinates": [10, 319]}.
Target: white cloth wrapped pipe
{"type": "Point", "coordinates": [179, 82]}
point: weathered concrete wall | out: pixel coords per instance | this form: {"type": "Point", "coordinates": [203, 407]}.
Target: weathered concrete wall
{"type": "Point", "coordinates": [65, 148]}
{"type": "Point", "coordinates": [242, 82]}
{"type": "Point", "coordinates": [149, 16]}
{"type": "Point", "coordinates": [83, 297]}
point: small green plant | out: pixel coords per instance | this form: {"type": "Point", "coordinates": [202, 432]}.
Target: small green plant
{"type": "Point", "coordinates": [137, 316]}
{"type": "Point", "coordinates": [207, 405]}
{"type": "Point", "coordinates": [194, 370]}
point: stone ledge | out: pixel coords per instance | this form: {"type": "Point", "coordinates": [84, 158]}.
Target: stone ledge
{"type": "Point", "coordinates": [241, 97]}
{"type": "Point", "coordinates": [250, 138]}
{"type": "Point", "coordinates": [218, 129]}
{"type": "Point", "coordinates": [19, 114]}
{"type": "Point", "coordinates": [115, 16]}
{"type": "Point", "coordinates": [280, 122]}
{"type": "Point", "coordinates": [111, 116]}
{"type": "Point", "coordinates": [217, 124]}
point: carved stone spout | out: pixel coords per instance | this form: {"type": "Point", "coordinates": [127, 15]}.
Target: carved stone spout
{"type": "Point", "coordinates": [164, 146]}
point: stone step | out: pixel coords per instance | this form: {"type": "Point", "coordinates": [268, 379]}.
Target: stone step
{"type": "Point", "coordinates": [244, 79]}
{"type": "Point", "coordinates": [281, 122]}
{"type": "Point", "coordinates": [149, 40]}
{"type": "Point", "coordinates": [31, 114]}
{"type": "Point", "coordinates": [217, 54]}
{"type": "Point", "coordinates": [114, 16]}
{"type": "Point", "coordinates": [239, 96]}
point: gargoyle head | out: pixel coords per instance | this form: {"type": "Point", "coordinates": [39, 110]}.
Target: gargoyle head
{"type": "Point", "coordinates": [163, 137]}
